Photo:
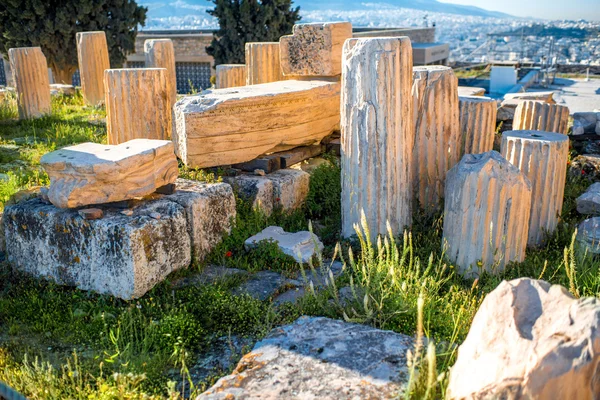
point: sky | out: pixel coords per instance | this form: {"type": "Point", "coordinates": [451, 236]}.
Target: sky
{"type": "Point", "coordinates": [547, 9]}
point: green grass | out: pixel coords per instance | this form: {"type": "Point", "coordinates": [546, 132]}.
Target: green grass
{"type": "Point", "coordinates": [59, 342]}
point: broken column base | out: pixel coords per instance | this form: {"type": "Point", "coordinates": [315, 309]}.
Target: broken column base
{"type": "Point", "coordinates": [127, 251]}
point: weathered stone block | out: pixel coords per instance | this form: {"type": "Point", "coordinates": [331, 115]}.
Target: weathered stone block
{"type": "Point", "coordinates": [314, 49]}
{"type": "Point", "coordinates": [320, 358]}
{"type": "Point", "coordinates": [589, 202]}
{"type": "Point", "coordinates": [92, 173]}
{"type": "Point", "coordinates": [230, 75]}
{"type": "Point", "coordinates": [117, 255]}
{"type": "Point", "coordinates": [235, 125]}
{"type": "Point", "coordinates": [584, 122]}
{"type": "Point", "coordinates": [138, 104]}
{"type": "Point", "coordinates": [530, 340]}
{"type": "Point", "coordinates": [262, 63]}
{"type": "Point", "coordinates": [290, 188]}
{"type": "Point", "coordinates": [486, 214]}
{"type": "Point", "coordinates": [542, 157]}
{"type": "Point", "coordinates": [377, 134]}
{"type": "Point", "coordinates": [256, 189]}
{"type": "Point", "coordinates": [540, 116]}
{"type": "Point", "coordinates": [588, 235]}
{"type": "Point", "coordinates": [437, 131]}
{"type": "Point", "coordinates": [477, 116]}
{"type": "Point", "coordinates": [30, 72]}
{"type": "Point", "coordinates": [210, 211]}
{"type": "Point", "coordinates": [302, 246]}
{"type": "Point", "coordinates": [92, 55]}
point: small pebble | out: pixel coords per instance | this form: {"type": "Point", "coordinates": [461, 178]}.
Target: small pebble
{"type": "Point", "coordinates": [155, 215]}
{"type": "Point", "coordinates": [91, 213]}
{"type": "Point", "coordinates": [260, 172]}
{"type": "Point", "coordinates": [127, 213]}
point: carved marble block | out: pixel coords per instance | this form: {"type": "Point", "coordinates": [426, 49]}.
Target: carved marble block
{"type": "Point", "coordinates": [437, 131]}
{"type": "Point", "coordinates": [477, 124]}
{"type": "Point", "coordinates": [262, 63]}
{"type": "Point", "coordinates": [542, 157]}
{"type": "Point", "coordinates": [377, 134]}
{"type": "Point", "coordinates": [30, 73]}
{"type": "Point", "coordinates": [486, 213]}
{"type": "Point", "coordinates": [231, 75]}
{"type": "Point", "coordinates": [159, 53]}
{"type": "Point", "coordinates": [92, 173]}
{"type": "Point", "coordinates": [229, 126]}
{"type": "Point", "coordinates": [541, 116]}
{"type": "Point", "coordinates": [314, 49]}
{"type": "Point", "coordinates": [92, 54]}
{"type": "Point", "coordinates": [137, 104]}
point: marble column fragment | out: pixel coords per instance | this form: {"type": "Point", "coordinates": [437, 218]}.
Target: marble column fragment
{"type": "Point", "coordinates": [30, 73]}
{"type": "Point", "coordinates": [231, 75]}
{"type": "Point", "coordinates": [541, 116]}
{"type": "Point", "coordinates": [477, 116]}
{"type": "Point", "coordinates": [262, 63]}
{"type": "Point", "coordinates": [92, 54]}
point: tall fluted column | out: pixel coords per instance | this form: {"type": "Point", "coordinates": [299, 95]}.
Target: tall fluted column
{"type": "Point", "coordinates": [540, 116]}
{"type": "Point", "coordinates": [437, 131]}
{"type": "Point", "coordinates": [92, 54]}
{"type": "Point", "coordinates": [377, 134]}
{"type": "Point", "coordinates": [137, 104]}
{"type": "Point", "coordinates": [231, 75]}
{"type": "Point", "coordinates": [160, 53]}
{"type": "Point", "coordinates": [262, 63]}
{"type": "Point", "coordinates": [30, 73]}
{"type": "Point", "coordinates": [477, 116]}
{"type": "Point", "coordinates": [542, 157]}
{"type": "Point", "coordinates": [486, 213]}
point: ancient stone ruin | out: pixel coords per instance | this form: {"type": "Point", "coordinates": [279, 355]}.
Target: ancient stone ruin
{"type": "Point", "coordinates": [262, 63]}
{"type": "Point", "coordinates": [477, 117]}
{"type": "Point", "coordinates": [541, 116]}
{"type": "Point", "coordinates": [230, 75]}
{"type": "Point", "coordinates": [377, 134]}
{"type": "Point", "coordinates": [30, 72]}
{"type": "Point", "coordinates": [92, 54]}
{"type": "Point", "coordinates": [159, 53]}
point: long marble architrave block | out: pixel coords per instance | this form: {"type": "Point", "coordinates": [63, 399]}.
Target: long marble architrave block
{"type": "Point", "coordinates": [377, 134]}
{"type": "Point", "coordinates": [437, 131]}
{"type": "Point", "coordinates": [486, 213]}
{"type": "Point", "coordinates": [159, 53]}
{"type": "Point", "coordinates": [314, 49]}
{"type": "Point", "coordinates": [541, 116]}
{"type": "Point", "coordinates": [30, 73]}
{"type": "Point", "coordinates": [92, 173]}
{"type": "Point", "coordinates": [262, 63]}
{"type": "Point", "coordinates": [235, 125]}
{"type": "Point", "coordinates": [477, 116]}
{"type": "Point", "coordinates": [230, 75]}
{"type": "Point", "coordinates": [92, 55]}
{"type": "Point", "coordinates": [124, 256]}
{"type": "Point", "coordinates": [138, 104]}
{"type": "Point", "coordinates": [542, 157]}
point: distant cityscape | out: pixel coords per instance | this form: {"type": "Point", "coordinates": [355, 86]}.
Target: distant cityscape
{"type": "Point", "coordinates": [474, 39]}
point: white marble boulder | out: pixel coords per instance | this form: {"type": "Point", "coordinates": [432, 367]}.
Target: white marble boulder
{"type": "Point", "coordinates": [314, 49]}
{"type": "Point", "coordinates": [486, 214]}
{"type": "Point", "coordinates": [589, 202]}
{"type": "Point", "coordinates": [92, 173]}
{"type": "Point", "coordinates": [320, 358]}
{"type": "Point", "coordinates": [530, 340]}
{"type": "Point", "coordinates": [302, 246]}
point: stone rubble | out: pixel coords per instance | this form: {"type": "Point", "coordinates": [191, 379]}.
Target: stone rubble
{"type": "Point", "coordinates": [320, 358]}
{"type": "Point", "coordinates": [530, 340]}
{"type": "Point", "coordinates": [589, 202]}
{"type": "Point", "coordinates": [302, 246]}
{"type": "Point", "coordinates": [91, 173]}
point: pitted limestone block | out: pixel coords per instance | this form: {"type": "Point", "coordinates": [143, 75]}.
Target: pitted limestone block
{"type": "Point", "coordinates": [92, 173]}
{"type": "Point", "coordinates": [290, 188]}
{"type": "Point", "coordinates": [314, 49]}
{"type": "Point", "coordinates": [300, 245]}
{"type": "Point", "coordinates": [124, 256]}
{"type": "Point", "coordinates": [320, 358]}
{"type": "Point", "coordinates": [486, 214]}
{"type": "Point", "coordinates": [256, 189]}
{"type": "Point", "coordinates": [210, 211]}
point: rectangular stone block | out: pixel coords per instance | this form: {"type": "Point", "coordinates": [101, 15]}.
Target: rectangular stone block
{"type": "Point", "coordinates": [229, 126]}
{"type": "Point", "coordinates": [290, 188]}
{"type": "Point", "coordinates": [210, 211]}
{"type": "Point", "coordinates": [124, 256]}
{"type": "Point", "coordinates": [92, 173]}
{"type": "Point", "coordinates": [314, 49]}
{"type": "Point", "coordinates": [256, 189]}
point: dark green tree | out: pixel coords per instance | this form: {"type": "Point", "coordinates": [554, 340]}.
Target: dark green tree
{"type": "Point", "coordinates": [242, 21]}
{"type": "Point", "coordinates": [53, 24]}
